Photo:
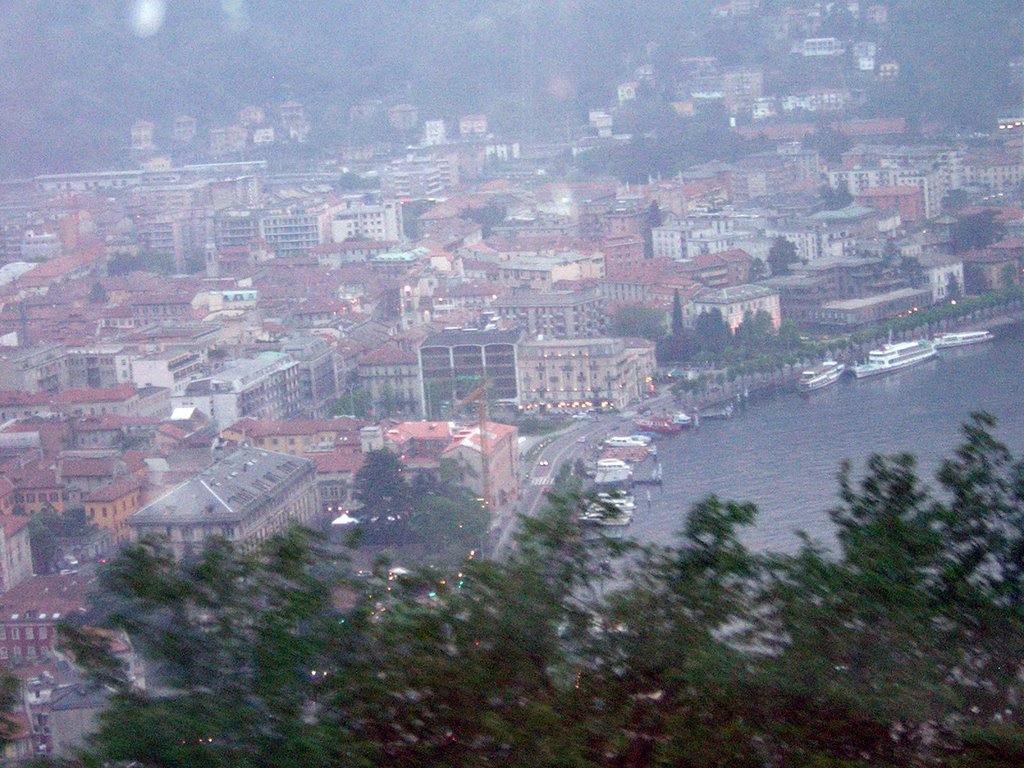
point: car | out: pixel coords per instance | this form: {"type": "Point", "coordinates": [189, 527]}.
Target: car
{"type": "Point", "coordinates": [544, 463]}
{"type": "Point", "coordinates": [581, 439]}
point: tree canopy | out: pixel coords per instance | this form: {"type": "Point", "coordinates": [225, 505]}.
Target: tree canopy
{"type": "Point", "coordinates": [902, 647]}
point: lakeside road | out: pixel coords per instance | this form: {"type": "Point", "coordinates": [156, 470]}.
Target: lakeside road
{"type": "Point", "coordinates": [574, 442]}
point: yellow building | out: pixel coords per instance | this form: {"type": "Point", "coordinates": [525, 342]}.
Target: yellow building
{"type": "Point", "coordinates": [108, 507]}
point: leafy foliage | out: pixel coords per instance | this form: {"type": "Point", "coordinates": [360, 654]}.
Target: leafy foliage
{"type": "Point", "coordinates": [781, 256]}
{"type": "Point", "coordinates": [901, 648]}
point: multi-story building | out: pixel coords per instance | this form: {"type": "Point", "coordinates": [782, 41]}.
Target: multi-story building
{"type": "Point", "coordinates": [294, 436]}
{"type": "Point", "coordinates": [453, 363]}
{"type": "Point", "coordinates": [736, 302]}
{"type": "Point", "coordinates": [42, 368]}
{"type": "Point", "coordinates": [473, 126]}
{"type": "Point", "coordinates": [361, 220]}
{"type": "Point", "coordinates": [933, 182]}
{"type": "Point", "coordinates": [142, 135]}
{"type": "Point", "coordinates": [291, 231]}
{"type": "Point", "coordinates": [540, 273]}
{"type": "Point", "coordinates": [245, 498]}
{"type": "Point", "coordinates": [577, 373]}
{"type": "Point", "coordinates": [318, 373]}
{"type": "Point", "coordinates": [849, 314]}
{"type": "Point", "coordinates": [15, 551]}
{"type": "Point", "coordinates": [419, 177]}
{"type": "Point", "coordinates": [109, 506]}
{"type": "Point", "coordinates": [99, 366]}
{"type": "Point", "coordinates": [31, 612]}
{"type": "Point", "coordinates": [556, 314]}
{"type": "Point", "coordinates": [185, 129]}
{"type": "Point", "coordinates": [392, 377]}
{"type": "Point", "coordinates": [236, 228]}
{"type": "Point", "coordinates": [264, 387]}
{"type": "Point", "coordinates": [171, 369]}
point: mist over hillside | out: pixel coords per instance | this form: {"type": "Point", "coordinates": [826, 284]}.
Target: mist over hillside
{"type": "Point", "coordinates": [78, 72]}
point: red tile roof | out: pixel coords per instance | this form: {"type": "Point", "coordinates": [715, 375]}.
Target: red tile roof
{"type": "Point", "coordinates": [115, 490]}
{"type": "Point", "coordinates": [118, 394]}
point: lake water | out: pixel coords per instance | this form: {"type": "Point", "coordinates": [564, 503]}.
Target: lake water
{"type": "Point", "coordinates": [784, 453]}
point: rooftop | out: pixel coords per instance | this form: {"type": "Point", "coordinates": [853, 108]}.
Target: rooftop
{"type": "Point", "coordinates": [462, 336]}
{"type": "Point", "coordinates": [229, 491]}
{"type": "Point", "coordinates": [734, 293]}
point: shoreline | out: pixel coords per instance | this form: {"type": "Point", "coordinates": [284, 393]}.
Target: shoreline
{"type": "Point", "coordinates": [765, 385]}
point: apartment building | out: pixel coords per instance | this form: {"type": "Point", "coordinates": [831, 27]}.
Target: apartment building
{"type": "Point", "coordinates": [264, 387]}
{"type": "Point", "coordinates": [574, 373]}
{"type": "Point", "coordinates": [555, 314]}
{"type": "Point", "coordinates": [362, 220]}
{"type": "Point", "coordinates": [245, 498]}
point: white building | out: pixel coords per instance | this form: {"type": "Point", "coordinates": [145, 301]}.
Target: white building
{"type": "Point", "coordinates": [361, 220]}
{"type": "Point", "coordinates": [435, 133]}
{"type": "Point", "coordinates": [944, 273]}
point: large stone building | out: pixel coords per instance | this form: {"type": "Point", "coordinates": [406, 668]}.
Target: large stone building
{"type": "Point", "coordinates": [734, 303]}
{"type": "Point", "coordinates": [576, 373]}
{"type": "Point", "coordinates": [556, 314]}
{"type": "Point", "coordinates": [245, 498]}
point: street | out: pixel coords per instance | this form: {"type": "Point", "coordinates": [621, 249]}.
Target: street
{"type": "Point", "coordinates": [564, 446]}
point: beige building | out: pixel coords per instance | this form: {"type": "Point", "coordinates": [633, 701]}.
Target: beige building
{"type": "Point", "coordinates": [574, 373]}
{"type": "Point", "coordinates": [561, 314]}
{"type": "Point", "coordinates": [246, 498]}
{"type": "Point", "coordinates": [735, 302]}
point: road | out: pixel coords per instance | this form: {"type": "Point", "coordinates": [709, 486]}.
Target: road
{"type": "Point", "coordinates": [574, 442]}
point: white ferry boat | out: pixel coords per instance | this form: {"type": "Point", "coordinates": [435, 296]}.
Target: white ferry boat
{"type": "Point", "coordinates": [829, 372]}
{"type": "Point", "coordinates": [631, 441]}
{"type": "Point", "coordinates": [895, 357]}
{"type": "Point", "coordinates": [961, 339]}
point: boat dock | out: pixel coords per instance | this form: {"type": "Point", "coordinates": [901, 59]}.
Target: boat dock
{"type": "Point", "coordinates": [648, 471]}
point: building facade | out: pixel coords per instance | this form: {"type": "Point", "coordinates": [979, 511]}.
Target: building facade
{"type": "Point", "coordinates": [245, 498]}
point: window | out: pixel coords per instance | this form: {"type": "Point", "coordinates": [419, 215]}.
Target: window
{"type": "Point", "coordinates": [42, 633]}
{"type": "Point", "coordinates": [31, 651]}
{"type": "Point", "coordinates": [15, 633]}
{"type": "Point", "coordinates": [3, 651]}
{"type": "Point", "coordinates": [30, 633]}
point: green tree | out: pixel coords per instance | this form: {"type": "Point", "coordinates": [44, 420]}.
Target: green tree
{"type": "Point", "coordinates": [898, 648]}
{"type": "Point", "coordinates": [677, 314]}
{"type": "Point", "coordinates": [711, 334]}
{"type": "Point", "coordinates": [43, 531]}
{"type": "Point", "coordinates": [758, 270]}
{"type": "Point", "coordinates": [98, 294]}
{"type": "Point", "coordinates": [976, 231]}
{"type": "Point", "coordinates": [834, 199]}
{"type": "Point", "coordinates": [953, 287]}
{"type": "Point", "coordinates": [781, 256]}
{"type": "Point", "coordinates": [245, 643]}
{"type": "Point", "coordinates": [912, 271]}
{"type": "Point", "coordinates": [381, 487]}
{"type": "Point", "coordinates": [756, 331]}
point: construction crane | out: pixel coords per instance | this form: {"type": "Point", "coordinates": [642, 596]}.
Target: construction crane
{"type": "Point", "coordinates": [479, 396]}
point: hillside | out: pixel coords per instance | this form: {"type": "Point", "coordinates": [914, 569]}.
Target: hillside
{"type": "Point", "coordinates": [77, 74]}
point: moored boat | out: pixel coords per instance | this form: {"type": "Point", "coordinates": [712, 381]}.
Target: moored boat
{"type": "Point", "coordinates": [895, 357]}
{"type": "Point", "coordinates": [961, 339]}
{"type": "Point", "coordinates": [661, 426]}
{"type": "Point", "coordinates": [828, 372]}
